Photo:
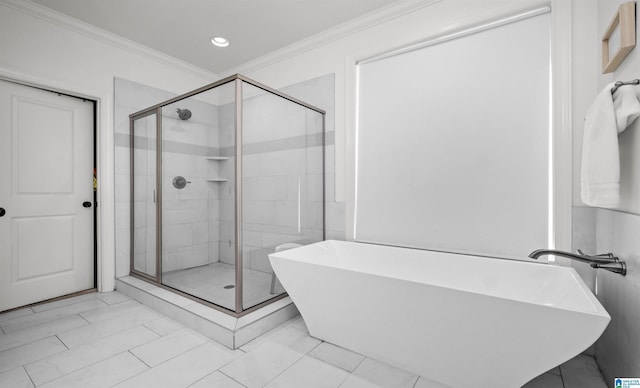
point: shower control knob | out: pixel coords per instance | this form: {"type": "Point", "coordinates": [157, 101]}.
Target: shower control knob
{"type": "Point", "coordinates": [180, 182]}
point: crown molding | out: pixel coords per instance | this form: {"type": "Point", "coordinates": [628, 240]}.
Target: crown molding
{"type": "Point", "coordinates": [36, 10]}
{"type": "Point", "coordinates": [382, 15]}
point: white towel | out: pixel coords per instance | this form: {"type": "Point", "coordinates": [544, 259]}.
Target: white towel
{"type": "Point", "coordinates": [606, 118]}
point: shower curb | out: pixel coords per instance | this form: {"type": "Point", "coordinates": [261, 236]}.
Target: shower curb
{"type": "Point", "coordinates": [223, 328]}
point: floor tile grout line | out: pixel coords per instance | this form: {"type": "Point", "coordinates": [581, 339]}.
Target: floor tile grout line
{"type": "Point", "coordinates": [8, 312]}
{"type": "Point", "coordinates": [222, 373]}
{"type": "Point", "coordinates": [51, 320]}
{"type": "Point", "coordinates": [28, 375]}
{"type": "Point", "coordinates": [86, 366]}
{"type": "Point", "coordinates": [171, 358]}
{"type": "Point", "coordinates": [135, 375]}
{"type": "Point", "coordinates": [96, 338]}
{"type": "Point", "coordinates": [297, 361]}
{"type": "Point", "coordinates": [80, 299]}
{"type": "Point", "coordinates": [141, 360]}
{"type": "Point", "coordinates": [62, 342]}
{"type": "Point", "coordinates": [51, 334]}
{"type": "Point", "coordinates": [286, 369]}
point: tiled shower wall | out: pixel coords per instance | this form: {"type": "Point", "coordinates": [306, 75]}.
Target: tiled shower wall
{"type": "Point", "coordinates": [190, 237]}
{"type": "Point", "coordinates": [602, 231]}
{"type": "Point", "coordinates": [195, 237]}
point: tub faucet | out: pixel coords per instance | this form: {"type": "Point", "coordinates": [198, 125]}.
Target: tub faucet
{"type": "Point", "coordinates": [605, 261]}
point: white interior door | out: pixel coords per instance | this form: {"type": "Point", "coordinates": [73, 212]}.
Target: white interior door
{"type": "Point", "coordinates": [46, 175]}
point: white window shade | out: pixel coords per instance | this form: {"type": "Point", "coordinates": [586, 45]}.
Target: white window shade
{"type": "Point", "coordinates": [453, 144]}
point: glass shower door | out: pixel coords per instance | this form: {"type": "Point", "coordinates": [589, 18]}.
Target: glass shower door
{"type": "Point", "coordinates": [282, 185]}
{"type": "Point", "coordinates": [143, 195]}
{"type": "Point", "coordinates": [197, 197]}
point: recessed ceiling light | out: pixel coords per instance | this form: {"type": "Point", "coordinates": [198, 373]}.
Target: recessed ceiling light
{"type": "Point", "coordinates": [219, 41]}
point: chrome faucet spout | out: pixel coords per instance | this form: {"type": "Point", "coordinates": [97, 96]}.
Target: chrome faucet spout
{"type": "Point", "coordinates": [605, 261]}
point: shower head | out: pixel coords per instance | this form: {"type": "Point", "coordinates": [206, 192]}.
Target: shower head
{"type": "Point", "coordinates": [184, 114]}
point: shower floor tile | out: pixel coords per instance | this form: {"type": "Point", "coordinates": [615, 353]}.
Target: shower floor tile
{"type": "Point", "coordinates": [208, 282]}
{"type": "Point", "coordinates": [135, 356]}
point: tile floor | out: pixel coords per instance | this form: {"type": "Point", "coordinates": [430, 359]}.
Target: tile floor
{"type": "Point", "coordinates": [107, 340]}
{"type": "Point", "coordinates": [207, 282]}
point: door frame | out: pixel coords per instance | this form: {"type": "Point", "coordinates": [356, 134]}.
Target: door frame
{"type": "Point", "coordinates": [103, 148]}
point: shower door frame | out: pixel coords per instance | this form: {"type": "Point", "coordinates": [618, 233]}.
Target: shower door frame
{"type": "Point", "coordinates": [238, 110]}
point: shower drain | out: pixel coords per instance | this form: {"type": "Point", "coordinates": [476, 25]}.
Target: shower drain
{"type": "Point", "coordinates": [229, 286]}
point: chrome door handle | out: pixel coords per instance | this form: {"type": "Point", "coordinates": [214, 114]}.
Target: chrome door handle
{"type": "Point", "coordinates": [86, 204]}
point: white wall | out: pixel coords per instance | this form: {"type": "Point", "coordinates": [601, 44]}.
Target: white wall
{"type": "Point", "coordinates": [603, 230]}
{"type": "Point", "coordinates": [417, 21]}
{"type": "Point", "coordinates": [47, 49]}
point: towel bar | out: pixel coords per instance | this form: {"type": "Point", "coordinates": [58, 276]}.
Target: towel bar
{"type": "Point", "coordinates": [621, 83]}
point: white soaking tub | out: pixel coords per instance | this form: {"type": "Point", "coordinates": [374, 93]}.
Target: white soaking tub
{"type": "Point", "coordinates": [464, 321]}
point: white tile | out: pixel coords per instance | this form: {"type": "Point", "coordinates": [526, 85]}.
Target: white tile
{"type": "Point", "coordinates": [261, 365]}
{"type": "Point", "coordinates": [269, 359]}
{"type": "Point", "coordinates": [112, 297]}
{"type": "Point", "coordinates": [36, 319]}
{"type": "Point", "coordinates": [111, 311]}
{"type": "Point", "coordinates": [169, 346]}
{"type": "Point", "coordinates": [300, 325]}
{"type": "Point", "coordinates": [105, 373]}
{"type": "Point", "coordinates": [218, 380]}
{"type": "Point", "coordinates": [582, 372]}
{"type": "Point", "coordinates": [295, 340]}
{"type": "Point", "coordinates": [184, 369]}
{"type": "Point", "coordinates": [263, 320]}
{"type": "Point", "coordinates": [16, 313]}
{"type": "Point", "coordinates": [33, 351]}
{"type": "Point", "coordinates": [423, 382]}
{"type": "Point", "coordinates": [56, 366]}
{"type": "Point", "coordinates": [266, 336]}
{"type": "Point", "coordinates": [163, 326]}
{"type": "Point", "coordinates": [107, 327]}
{"type": "Point", "coordinates": [15, 378]}
{"type": "Point", "coordinates": [545, 380]}
{"type": "Point", "coordinates": [63, 302]}
{"type": "Point", "coordinates": [337, 356]}
{"type": "Point", "coordinates": [310, 373]}
{"type": "Point", "coordinates": [31, 334]}
{"type": "Point", "coordinates": [371, 373]}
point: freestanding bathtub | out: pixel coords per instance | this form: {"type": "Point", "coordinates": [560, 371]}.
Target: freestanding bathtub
{"type": "Point", "coordinates": [463, 321]}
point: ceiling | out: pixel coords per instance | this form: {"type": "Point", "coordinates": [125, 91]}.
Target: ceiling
{"type": "Point", "coordinates": [183, 29]}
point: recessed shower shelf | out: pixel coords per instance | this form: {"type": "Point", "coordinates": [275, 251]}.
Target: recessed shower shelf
{"type": "Point", "coordinates": [217, 159]}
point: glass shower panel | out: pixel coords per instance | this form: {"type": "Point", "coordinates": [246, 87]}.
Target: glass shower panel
{"type": "Point", "coordinates": [198, 215]}
{"type": "Point", "coordinates": [143, 194]}
{"type": "Point", "coordinates": [282, 186]}
{"type": "Point", "coordinates": [195, 227]}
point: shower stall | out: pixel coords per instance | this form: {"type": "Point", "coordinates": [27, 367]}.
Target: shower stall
{"type": "Point", "coordinates": [220, 177]}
